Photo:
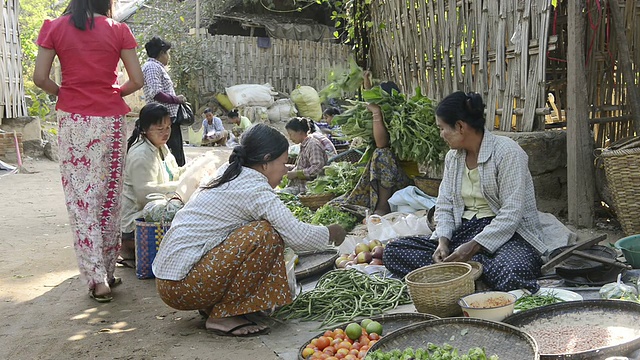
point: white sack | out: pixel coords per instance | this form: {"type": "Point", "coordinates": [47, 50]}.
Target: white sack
{"type": "Point", "coordinates": [250, 95]}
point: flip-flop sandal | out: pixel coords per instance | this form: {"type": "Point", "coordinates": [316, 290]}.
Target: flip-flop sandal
{"type": "Point", "coordinates": [115, 282]}
{"type": "Point", "coordinates": [230, 331]}
{"type": "Point", "coordinates": [128, 263]}
{"type": "Point", "coordinates": [100, 298]}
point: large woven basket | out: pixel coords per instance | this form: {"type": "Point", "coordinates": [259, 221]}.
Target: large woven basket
{"type": "Point", "coordinates": [622, 168]}
{"type": "Point", "coordinates": [148, 237]}
{"type": "Point", "coordinates": [314, 202]}
{"type": "Point", "coordinates": [435, 289]}
{"type": "Point", "coordinates": [428, 185]}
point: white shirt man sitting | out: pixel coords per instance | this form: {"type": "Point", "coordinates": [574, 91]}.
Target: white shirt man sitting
{"type": "Point", "coordinates": [213, 131]}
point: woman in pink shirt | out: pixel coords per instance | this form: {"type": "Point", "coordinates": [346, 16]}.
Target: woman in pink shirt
{"type": "Point", "coordinates": [92, 129]}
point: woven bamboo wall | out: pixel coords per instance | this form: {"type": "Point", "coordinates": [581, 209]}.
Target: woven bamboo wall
{"type": "Point", "coordinates": [489, 46]}
{"type": "Point", "coordinates": [285, 64]}
{"type": "Point", "coordinates": [12, 97]}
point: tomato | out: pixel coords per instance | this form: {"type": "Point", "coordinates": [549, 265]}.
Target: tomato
{"type": "Point", "coordinates": [354, 352]}
{"type": "Point", "coordinates": [356, 345]}
{"type": "Point", "coordinates": [364, 340]}
{"type": "Point", "coordinates": [342, 336]}
{"type": "Point", "coordinates": [314, 342]}
{"type": "Point", "coordinates": [322, 342]}
{"type": "Point", "coordinates": [330, 350]}
{"type": "Point", "coordinates": [351, 357]}
{"type": "Point", "coordinates": [335, 343]}
{"type": "Point", "coordinates": [307, 352]}
{"type": "Point", "coordinates": [338, 331]}
{"type": "Point", "coordinates": [332, 358]}
{"type": "Point", "coordinates": [374, 336]}
{"type": "Point", "coordinates": [342, 351]}
{"type": "Point", "coordinates": [362, 354]}
{"type": "Point", "coordinates": [365, 348]}
{"type": "Point", "coordinates": [372, 342]}
{"type": "Point", "coordinates": [328, 333]}
{"type": "Point", "coordinates": [344, 345]}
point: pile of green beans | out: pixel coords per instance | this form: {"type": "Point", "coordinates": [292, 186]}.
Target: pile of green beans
{"type": "Point", "coordinates": [342, 295]}
{"type": "Point", "coordinates": [527, 302]}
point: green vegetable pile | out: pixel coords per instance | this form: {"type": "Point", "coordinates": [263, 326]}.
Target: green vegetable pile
{"type": "Point", "coordinates": [294, 205]}
{"type": "Point", "coordinates": [432, 352]}
{"type": "Point", "coordinates": [327, 215]}
{"type": "Point", "coordinates": [342, 82]}
{"type": "Point", "coordinates": [339, 178]}
{"type": "Point", "coordinates": [342, 295]}
{"type": "Point", "coordinates": [410, 122]}
{"type": "Point", "coordinates": [527, 302]}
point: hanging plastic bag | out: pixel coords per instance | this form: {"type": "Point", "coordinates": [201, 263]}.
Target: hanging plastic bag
{"type": "Point", "coordinates": [162, 208]}
{"type": "Point", "coordinates": [185, 116]}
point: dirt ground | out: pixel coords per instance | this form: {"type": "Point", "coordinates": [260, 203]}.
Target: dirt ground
{"type": "Point", "coordinates": [46, 313]}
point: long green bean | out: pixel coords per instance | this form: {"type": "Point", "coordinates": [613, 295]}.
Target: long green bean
{"type": "Point", "coordinates": [342, 295]}
{"type": "Point", "coordinates": [527, 302]}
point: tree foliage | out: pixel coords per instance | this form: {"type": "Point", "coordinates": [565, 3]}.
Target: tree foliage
{"type": "Point", "coordinates": [172, 20]}
{"type": "Point", "coordinates": [32, 15]}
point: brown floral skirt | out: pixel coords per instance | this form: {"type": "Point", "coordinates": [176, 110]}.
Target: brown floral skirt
{"type": "Point", "coordinates": [244, 274]}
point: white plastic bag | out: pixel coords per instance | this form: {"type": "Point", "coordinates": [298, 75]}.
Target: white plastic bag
{"type": "Point", "coordinates": [250, 95]}
{"type": "Point", "coordinates": [395, 225]}
{"type": "Point", "coordinates": [290, 259]}
{"type": "Point", "coordinates": [162, 208]}
{"type": "Point", "coordinates": [257, 114]}
{"type": "Point", "coordinates": [202, 167]}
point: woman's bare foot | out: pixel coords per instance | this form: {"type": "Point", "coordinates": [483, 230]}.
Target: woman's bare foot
{"type": "Point", "coordinates": [101, 290]}
{"type": "Point", "coordinates": [241, 324]}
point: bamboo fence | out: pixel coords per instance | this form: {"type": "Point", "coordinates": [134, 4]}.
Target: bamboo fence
{"type": "Point", "coordinates": [494, 47]}
{"type": "Point", "coordinates": [12, 102]}
{"type": "Point", "coordinates": [285, 64]}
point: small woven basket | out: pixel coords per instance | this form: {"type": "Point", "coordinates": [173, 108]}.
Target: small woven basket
{"type": "Point", "coordinates": [428, 185]}
{"type": "Point", "coordinates": [351, 155]}
{"type": "Point", "coordinates": [622, 168]}
{"type": "Point", "coordinates": [435, 289]}
{"type": "Point", "coordinates": [314, 202]}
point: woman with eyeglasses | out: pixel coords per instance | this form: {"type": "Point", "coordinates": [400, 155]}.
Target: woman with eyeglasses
{"type": "Point", "coordinates": [150, 168]}
{"type": "Point", "coordinates": [158, 88]}
{"type": "Point", "coordinates": [92, 128]}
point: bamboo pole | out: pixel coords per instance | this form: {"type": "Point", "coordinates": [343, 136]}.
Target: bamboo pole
{"type": "Point", "coordinates": [579, 166]}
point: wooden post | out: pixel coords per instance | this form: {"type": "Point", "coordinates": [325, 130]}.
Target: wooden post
{"type": "Point", "coordinates": [624, 56]}
{"type": "Point", "coordinates": [580, 174]}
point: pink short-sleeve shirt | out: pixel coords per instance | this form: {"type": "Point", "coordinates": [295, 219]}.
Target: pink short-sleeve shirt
{"type": "Point", "coordinates": [89, 63]}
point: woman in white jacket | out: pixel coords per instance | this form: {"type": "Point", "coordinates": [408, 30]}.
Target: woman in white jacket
{"type": "Point", "coordinates": [150, 168]}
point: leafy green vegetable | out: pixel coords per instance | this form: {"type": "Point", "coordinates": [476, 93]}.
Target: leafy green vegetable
{"type": "Point", "coordinates": [342, 81]}
{"type": "Point", "coordinates": [527, 302]}
{"type": "Point", "coordinates": [294, 205]}
{"type": "Point", "coordinates": [410, 122]}
{"type": "Point", "coordinates": [327, 215]}
{"type": "Point", "coordinates": [432, 352]}
{"type": "Point", "coordinates": [339, 178]}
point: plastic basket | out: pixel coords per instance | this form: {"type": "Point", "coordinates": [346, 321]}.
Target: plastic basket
{"type": "Point", "coordinates": [435, 289]}
{"type": "Point", "coordinates": [314, 202]}
{"type": "Point", "coordinates": [148, 238]}
{"type": "Point", "coordinates": [622, 168]}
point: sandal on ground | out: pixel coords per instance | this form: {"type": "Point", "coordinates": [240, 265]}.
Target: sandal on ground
{"type": "Point", "coordinates": [115, 282]}
{"type": "Point", "coordinates": [128, 263]}
{"type": "Point", "coordinates": [230, 331]}
{"type": "Point", "coordinates": [100, 298]}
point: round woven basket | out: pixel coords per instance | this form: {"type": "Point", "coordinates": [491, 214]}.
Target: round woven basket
{"type": "Point", "coordinates": [435, 289]}
{"type": "Point", "coordinates": [314, 202]}
{"type": "Point", "coordinates": [428, 185]}
{"type": "Point", "coordinates": [622, 168]}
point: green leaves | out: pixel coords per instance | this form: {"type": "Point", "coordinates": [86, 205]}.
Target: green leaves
{"type": "Point", "coordinates": [339, 178]}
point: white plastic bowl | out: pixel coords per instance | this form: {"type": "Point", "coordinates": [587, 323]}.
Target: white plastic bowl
{"type": "Point", "coordinates": [488, 305]}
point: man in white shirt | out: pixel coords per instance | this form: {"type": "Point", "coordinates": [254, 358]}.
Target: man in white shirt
{"type": "Point", "coordinates": [213, 131]}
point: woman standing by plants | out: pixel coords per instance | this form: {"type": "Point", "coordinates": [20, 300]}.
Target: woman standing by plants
{"type": "Point", "coordinates": [92, 129]}
{"type": "Point", "coordinates": [158, 87]}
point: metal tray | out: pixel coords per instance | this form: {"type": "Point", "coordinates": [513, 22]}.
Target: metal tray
{"type": "Point", "coordinates": [621, 313]}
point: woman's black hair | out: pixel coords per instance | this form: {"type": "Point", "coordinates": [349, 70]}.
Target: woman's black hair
{"type": "Point", "coordinates": [207, 110]}
{"type": "Point", "coordinates": [260, 144]}
{"type": "Point", "coordinates": [82, 10]}
{"type": "Point", "coordinates": [156, 46]}
{"type": "Point", "coordinates": [466, 107]}
{"type": "Point", "coordinates": [303, 124]}
{"type": "Point", "coordinates": [389, 86]}
{"type": "Point", "coordinates": [331, 111]}
{"type": "Point", "coordinates": [150, 114]}
{"type": "Point", "coordinates": [233, 114]}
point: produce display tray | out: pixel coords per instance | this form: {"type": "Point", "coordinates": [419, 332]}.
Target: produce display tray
{"type": "Point", "coordinates": [315, 262]}
{"type": "Point", "coordinates": [390, 323]}
{"type": "Point", "coordinates": [578, 322]}
{"type": "Point", "coordinates": [463, 333]}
